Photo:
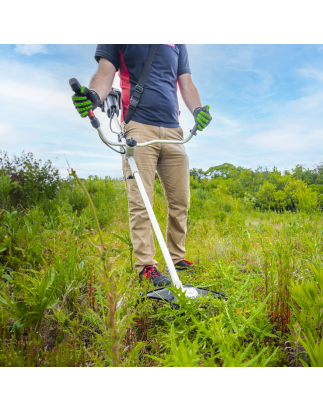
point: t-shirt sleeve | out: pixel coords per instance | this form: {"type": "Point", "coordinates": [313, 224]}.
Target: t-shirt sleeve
{"type": "Point", "coordinates": [183, 64]}
{"type": "Point", "coordinates": [109, 52]}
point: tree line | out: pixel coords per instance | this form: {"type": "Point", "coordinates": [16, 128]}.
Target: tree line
{"type": "Point", "coordinates": [299, 189]}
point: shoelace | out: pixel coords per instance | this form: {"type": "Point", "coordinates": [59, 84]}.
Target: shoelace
{"type": "Point", "coordinates": [150, 270]}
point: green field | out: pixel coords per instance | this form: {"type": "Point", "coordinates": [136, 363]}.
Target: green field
{"type": "Point", "coordinates": [68, 297]}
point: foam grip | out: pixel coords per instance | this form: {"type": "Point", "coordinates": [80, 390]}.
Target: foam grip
{"type": "Point", "coordinates": [75, 85]}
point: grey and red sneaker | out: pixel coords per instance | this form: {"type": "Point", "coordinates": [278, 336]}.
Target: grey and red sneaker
{"type": "Point", "coordinates": [184, 266]}
{"type": "Point", "coordinates": [154, 276]}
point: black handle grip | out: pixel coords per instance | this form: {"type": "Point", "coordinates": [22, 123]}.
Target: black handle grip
{"type": "Point", "coordinates": [75, 85]}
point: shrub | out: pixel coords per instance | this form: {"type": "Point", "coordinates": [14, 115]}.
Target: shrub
{"type": "Point", "coordinates": [307, 307]}
{"type": "Point", "coordinates": [220, 216]}
{"type": "Point", "coordinates": [265, 195]}
{"type": "Point", "coordinates": [227, 207]}
{"type": "Point", "coordinates": [202, 194]}
{"type": "Point", "coordinates": [77, 200]}
{"type": "Point", "coordinates": [36, 181]}
{"type": "Point", "coordinates": [6, 187]}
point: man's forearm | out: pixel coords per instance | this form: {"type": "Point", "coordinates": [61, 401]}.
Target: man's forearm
{"type": "Point", "coordinates": [191, 98]}
{"type": "Point", "coordinates": [102, 80]}
{"type": "Point", "coordinates": [189, 92]}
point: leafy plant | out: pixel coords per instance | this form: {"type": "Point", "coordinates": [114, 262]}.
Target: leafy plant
{"type": "Point", "coordinates": [6, 187]}
{"type": "Point", "coordinates": [126, 239]}
{"type": "Point", "coordinates": [36, 181]}
{"type": "Point", "coordinates": [39, 295]}
{"type": "Point", "coordinates": [77, 200]}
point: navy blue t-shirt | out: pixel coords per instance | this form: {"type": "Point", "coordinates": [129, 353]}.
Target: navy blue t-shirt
{"type": "Point", "coordinates": [158, 105]}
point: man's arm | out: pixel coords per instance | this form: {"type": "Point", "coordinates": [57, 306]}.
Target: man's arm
{"type": "Point", "coordinates": [102, 80]}
{"type": "Point", "coordinates": [192, 100]}
{"type": "Point", "coordinates": [188, 91]}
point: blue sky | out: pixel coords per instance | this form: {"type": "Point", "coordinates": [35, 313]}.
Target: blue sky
{"type": "Point", "coordinates": [266, 102]}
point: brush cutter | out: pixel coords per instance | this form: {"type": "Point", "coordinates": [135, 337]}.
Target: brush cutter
{"type": "Point", "coordinates": [111, 106]}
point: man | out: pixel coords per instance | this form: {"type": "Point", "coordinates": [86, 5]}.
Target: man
{"type": "Point", "coordinates": [155, 117]}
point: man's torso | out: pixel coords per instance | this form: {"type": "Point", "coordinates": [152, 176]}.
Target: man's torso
{"type": "Point", "coordinates": [158, 104]}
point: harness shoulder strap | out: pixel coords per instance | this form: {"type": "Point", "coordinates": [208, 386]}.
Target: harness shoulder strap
{"type": "Point", "coordinates": [135, 98]}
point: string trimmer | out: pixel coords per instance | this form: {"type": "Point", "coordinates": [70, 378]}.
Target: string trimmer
{"type": "Point", "coordinates": [111, 106]}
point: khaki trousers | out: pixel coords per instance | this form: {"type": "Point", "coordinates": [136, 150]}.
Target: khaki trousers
{"type": "Point", "coordinates": [171, 163]}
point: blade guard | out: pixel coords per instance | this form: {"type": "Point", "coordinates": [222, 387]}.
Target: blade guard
{"type": "Point", "coordinates": [164, 294]}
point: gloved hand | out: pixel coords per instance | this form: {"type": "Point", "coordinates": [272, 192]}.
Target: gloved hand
{"type": "Point", "coordinates": [202, 117]}
{"type": "Point", "coordinates": [85, 100]}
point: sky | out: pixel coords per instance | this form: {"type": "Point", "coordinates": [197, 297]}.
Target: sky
{"type": "Point", "coordinates": [266, 102]}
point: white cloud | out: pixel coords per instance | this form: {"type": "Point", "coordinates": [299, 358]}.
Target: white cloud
{"type": "Point", "coordinates": [10, 137]}
{"type": "Point", "coordinates": [306, 107]}
{"type": "Point", "coordinates": [30, 49]}
{"type": "Point", "coordinates": [35, 96]}
{"type": "Point", "coordinates": [293, 134]}
{"type": "Point", "coordinates": [30, 88]}
{"type": "Point", "coordinates": [4, 129]}
{"type": "Point", "coordinates": [286, 139]}
{"type": "Point", "coordinates": [311, 73]}
{"type": "Point", "coordinates": [36, 105]}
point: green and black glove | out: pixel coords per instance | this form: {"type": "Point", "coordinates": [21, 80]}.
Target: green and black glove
{"type": "Point", "coordinates": [86, 100]}
{"type": "Point", "coordinates": [202, 117]}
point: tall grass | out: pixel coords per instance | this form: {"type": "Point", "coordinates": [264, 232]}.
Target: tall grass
{"type": "Point", "coordinates": [69, 295]}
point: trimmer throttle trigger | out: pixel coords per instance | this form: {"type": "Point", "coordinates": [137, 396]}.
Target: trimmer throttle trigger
{"type": "Point", "coordinates": [112, 103]}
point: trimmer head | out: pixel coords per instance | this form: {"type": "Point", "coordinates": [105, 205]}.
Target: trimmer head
{"type": "Point", "coordinates": [164, 294]}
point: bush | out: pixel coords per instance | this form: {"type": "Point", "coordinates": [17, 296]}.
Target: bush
{"type": "Point", "coordinates": [227, 207]}
{"type": "Point", "coordinates": [6, 188]}
{"type": "Point", "coordinates": [36, 181]}
{"type": "Point", "coordinates": [77, 200]}
{"type": "Point", "coordinates": [202, 194]}
{"type": "Point", "coordinates": [220, 216]}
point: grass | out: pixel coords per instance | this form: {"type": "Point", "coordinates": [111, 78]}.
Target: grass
{"type": "Point", "coordinates": [68, 295]}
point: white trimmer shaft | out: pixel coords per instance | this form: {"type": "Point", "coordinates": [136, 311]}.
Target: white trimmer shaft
{"type": "Point", "coordinates": [189, 291]}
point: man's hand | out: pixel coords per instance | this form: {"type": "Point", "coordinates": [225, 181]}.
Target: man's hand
{"type": "Point", "coordinates": [202, 117]}
{"type": "Point", "coordinates": [85, 101]}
